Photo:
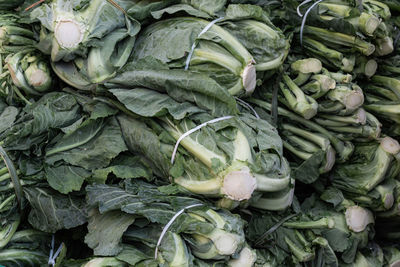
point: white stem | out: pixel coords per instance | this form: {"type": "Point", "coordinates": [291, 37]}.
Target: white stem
{"type": "Point", "coordinates": [242, 148]}
{"type": "Point", "coordinates": [268, 184]}
{"type": "Point", "coordinates": [210, 187]}
{"type": "Point", "coordinates": [388, 201]}
{"type": "Point", "coordinates": [330, 159]}
{"type": "Point", "coordinates": [249, 78]}
{"type": "Point", "coordinates": [308, 65]}
{"type": "Point", "coordinates": [38, 78]}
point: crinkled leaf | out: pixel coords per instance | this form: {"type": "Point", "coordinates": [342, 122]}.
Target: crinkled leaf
{"type": "Point", "coordinates": [143, 141]}
{"type": "Point", "coordinates": [180, 85]}
{"type": "Point", "coordinates": [52, 211]}
{"type": "Point", "coordinates": [53, 111]}
{"type": "Point", "coordinates": [83, 134]}
{"type": "Point", "coordinates": [102, 110]}
{"type": "Point", "coordinates": [180, 8]}
{"type": "Point", "coordinates": [333, 195]}
{"type": "Point", "coordinates": [136, 170]}
{"type": "Point", "coordinates": [66, 179]}
{"type": "Point", "coordinates": [106, 230]}
{"type": "Point", "coordinates": [308, 171]}
{"type": "Point", "coordinates": [149, 103]}
{"type": "Point", "coordinates": [96, 153]}
{"type": "Point", "coordinates": [7, 117]}
{"type": "Point", "coordinates": [133, 256]}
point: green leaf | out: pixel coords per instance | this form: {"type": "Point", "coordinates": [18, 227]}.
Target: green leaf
{"type": "Point", "coordinates": [333, 195]}
{"type": "Point", "coordinates": [53, 111]}
{"type": "Point", "coordinates": [7, 118]}
{"type": "Point", "coordinates": [95, 153]}
{"type": "Point", "coordinates": [133, 256]}
{"type": "Point", "coordinates": [180, 8]}
{"type": "Point", "coordinates": [83, 134]}
{"type": "Point", "coordinates": [180, 85]}
{"type": "Point", "coordinates": [125, 168]}
{"type": "Point", "coordinates": [308, 171]}
{"type": "Point", "coordinates": [52, 211]}
{"type": "Point", "coordinates": [106, 230]}
{"type": "Point", "coordinates": [144, 141]}
{"type": "Point", "coordinates": [66, 179]}
{"type": "Point", "coordinates": [149, 103]}
{"type": "Point", "coordinates": [102, 110]}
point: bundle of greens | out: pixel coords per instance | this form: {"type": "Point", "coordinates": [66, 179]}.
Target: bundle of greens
{"type": "Point", "coordinates": [230, 51]}
{"type": "Point", "coordinates": [229, 158]}
{"type": "Point", "coordinates": [157, 156]}
{"type": "Point", "coordinates": [87, 40]}
{"type": "Point", "coordinates": [382, 97]}
{"type": "Point", "coordinates": [339, 32]}
{"type": "Point", "coordinates": [313, 146]}
{"type": "Point", "coordinates": [371, 164]}
{"type": "Point", "coordinates": [23, 67]}
{"type": "Point", "coordinates": [138, 213]}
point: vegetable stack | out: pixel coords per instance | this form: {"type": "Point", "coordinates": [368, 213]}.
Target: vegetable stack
{"type": "Point", "coordinates": [199, 133]}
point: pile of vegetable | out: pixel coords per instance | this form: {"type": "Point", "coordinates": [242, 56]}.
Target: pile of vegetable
{"type": "Point", "coordinates": [200, 133]}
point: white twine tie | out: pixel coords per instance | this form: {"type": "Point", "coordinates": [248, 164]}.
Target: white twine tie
{"type": "Point", "coordinates": [196, 41]}
{"type": "Point", "coordinates": [168, 225]}
{"type": "Point", "coordinates": [194, 130]}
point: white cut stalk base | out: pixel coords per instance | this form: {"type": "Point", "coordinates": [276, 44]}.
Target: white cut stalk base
{"type": "Point", "coordinates": [390, 145]}
{"type": "Point", "coordinates": [330, 159]}
{"type": "Point", "coordinates": [371, 25]}
{"type": "Point", "coordinates": [247, 258]}
{"type": "Point", "coordinates": [249, 78]}
{"type": "Point", "coordinates": [385, 46]}
{"type": "Point", "coordinates": [38, 78]}
{"type": "Point", "coordinates": [388, 201]}
{"type": "Point", "coordinates": [68, 33]}
{"type": "Point", "coordinates": [370, 68]}
{"type": "Point", "coordinates": [358, 218]}
{"type": "Point", "coordinates": [309, 113]}
{"type": "Point", "coordinates": [309, 65]}
{"type": "Point", "coordinates": [328, 83]}
{"type": "Point", "coordinates": [226, 244]}
{"type": "Point", "coordinates": [239, 185]}
{"type": "Point", "coordinates": [3, 33]}
{"type": "Point", "coordinates": [395, 264]}
{"type": "Point", "coordinates": [355, 99]}
{"type": "Point", "coordinates": [361, 116]}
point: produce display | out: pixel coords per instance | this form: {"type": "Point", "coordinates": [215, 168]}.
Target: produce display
{"type": "Point", "coordinates": [178, 133]}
